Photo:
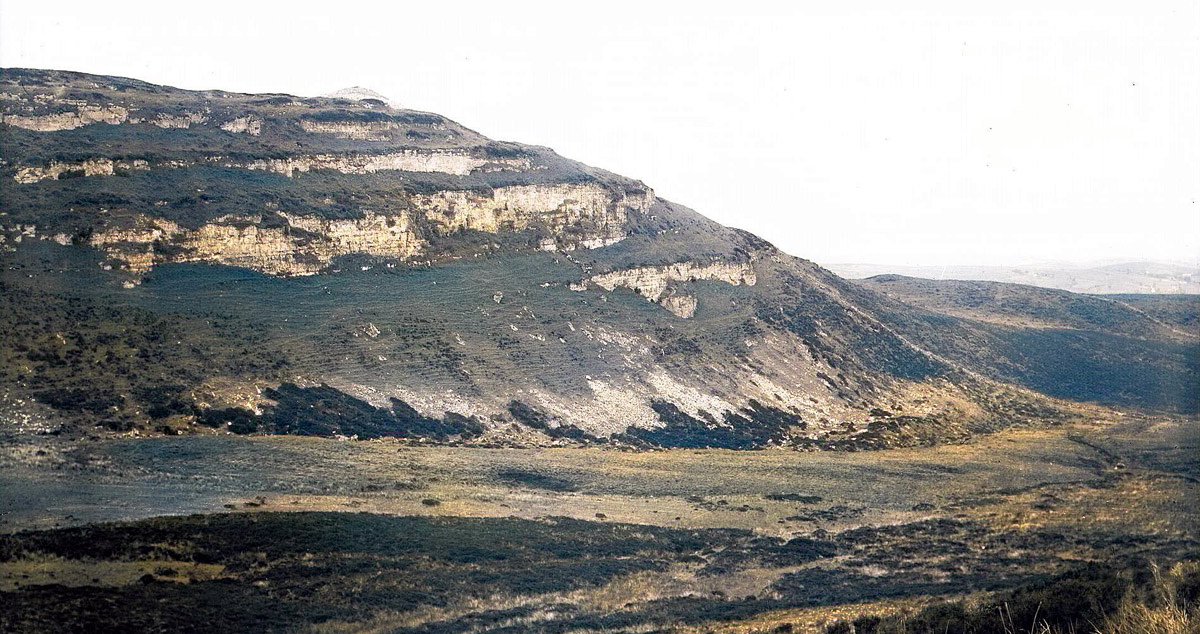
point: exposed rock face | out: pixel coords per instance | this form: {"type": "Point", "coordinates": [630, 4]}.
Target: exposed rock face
{"type": "Point", "coordinates": [84, 114]}
{"type": "Point", "coordinates": [244, 125]}
{"type": "Point", "coordinates": [455, 163]}
{"type": "Point", "coordinates": [373, 234]}
{"type": "Point", "coordinates": [598, 211]}
{"type": "Point", "coordinates": [361, 131]}
{"type": "Point", "coordinates": [459, 164]}
{"type": "Point", "coordinates": [179, 122]}
{"type": "Point", "coordinates": [655, 282]}
{"type": "Point", "coordinates": [594, 215]}
{"type": "Point", "coordinates": [90, 167]}
{"type": "Point", "coordinates": [683, 306]}
{"type": "Point", "coordinates": [87, 113]}
{"type": "Point", "coordinates": [304, 247]}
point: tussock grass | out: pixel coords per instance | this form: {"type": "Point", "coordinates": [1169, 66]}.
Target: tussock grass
{"type": "Point", "coordinates": [1174, 607]}
{"type": "Point", "coordinates": [1139, 599]}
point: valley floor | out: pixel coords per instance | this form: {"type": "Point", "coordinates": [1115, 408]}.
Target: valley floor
{"type": "Point", "coordinates": [306, 534]}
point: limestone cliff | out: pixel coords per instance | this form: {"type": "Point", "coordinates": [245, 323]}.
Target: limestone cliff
{"type": "Point", "coordinates": [456, 163]}
{"type": "Point", "coordinates": [601, 213]}
{"type": "Point", "coordinates": [304, 246]}
{"type": "Point", "coordinates": [90, 167]}
{"type": "Point", "coordinates": [243, 125]}
{"type": "Point", "coordinates": [83, 114]}
{"type": "Point", "coordinates": [656, 283]}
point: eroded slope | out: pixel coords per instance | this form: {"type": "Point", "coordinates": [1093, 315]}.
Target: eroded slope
{"type": "Point", "coordinates": [178, 261]}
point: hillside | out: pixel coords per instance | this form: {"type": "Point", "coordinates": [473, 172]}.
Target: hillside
{"type": "Point", "coordinates": [180, 261]}
{"type": "Point", "coordinates": [1120, 349]}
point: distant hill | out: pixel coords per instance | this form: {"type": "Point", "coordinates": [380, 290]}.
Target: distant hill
{"type": "Point", "coordinates": [177, 261]}
{"type": "Point", "coordinates": [1068, 344]}
{"type": "Point", "coordinates": [1127, 277]}
{"type": "Point", "coordinates": [358, 93]}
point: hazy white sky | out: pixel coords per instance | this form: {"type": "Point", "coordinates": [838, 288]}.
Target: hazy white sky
{"type": "Point", "coordinates": [928, 133]}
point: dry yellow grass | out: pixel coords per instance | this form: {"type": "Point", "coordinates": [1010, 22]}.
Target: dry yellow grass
{"type": "Point", "coordinates": [661, 487]}
{"type": "Point", "coordinates": [1036, 481]}
{"type": "Point", "coordinates": [81, 572]}
{"type": "Point", "coordinates": [1166, 615]}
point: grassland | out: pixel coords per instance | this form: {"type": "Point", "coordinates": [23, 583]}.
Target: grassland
{"type": "Point", "coordinates": [309, 534]}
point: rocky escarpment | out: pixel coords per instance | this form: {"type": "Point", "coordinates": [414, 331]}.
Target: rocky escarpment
{"type": "Point", "coordinates": [85, 113]}
{"type": "Point", "coordinates": [303, 244]}
{"type": "Point", "coordinates": [436, 185]}
{"type": "Point", "coordinates": [455, 163]}
{"type": "Point", "coordinates": [659, 284]}
{"type": "Point", "coordinates": [57, 101]}
{"type": "Point", "coordinates": [600, 215]}
{"type": "Point", "coordinates": [364, 131]}
{"type": "Point", "coordinates": [82, 113]}
{"type": "Point", "coordinates": [416, 271]}
{"type": "Point", "coordinates": [243, 125]}
{"type": "Point", "coordinates": [55, 170]}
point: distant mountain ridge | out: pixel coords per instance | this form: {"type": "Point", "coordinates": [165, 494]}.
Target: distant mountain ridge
{"type": "Point", "coordinates": [178, 261]}
{"type": "Point", "coordinates": [1125, 277]}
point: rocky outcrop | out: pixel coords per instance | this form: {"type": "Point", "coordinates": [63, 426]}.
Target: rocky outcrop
{"type": "Point", "coordinates": [244, 125]}
{"type": "Point", "coordinates": [456, 163]}
{"type": "Point", "coordinates": [90, 167]}
{"type": "Point", "coordinates": [360, 131]}
{"type": "Point", "coordinates": [586, 215]}
{"type": "Point", "coordinates": [384, 235]}
{"type": "Point", "coordinates": [178, 122]}
{"type": "Point", "coordinates": [657, 283]}
{"type": "Point", "coordinates": [84, 114]}
{"type": "Point", "coordinates": [305, 246]}
{"type": "Point", "coordinates": [683, 306]}
{"type": "Point", "coordinates": [598, 212]}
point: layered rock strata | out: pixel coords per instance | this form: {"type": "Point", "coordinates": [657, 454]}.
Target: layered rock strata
{"type": "Point", "coordinates": [657, 283]}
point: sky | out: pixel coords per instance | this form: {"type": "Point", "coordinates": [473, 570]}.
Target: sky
{"type": "Point", "coordinates": [910, 133]}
